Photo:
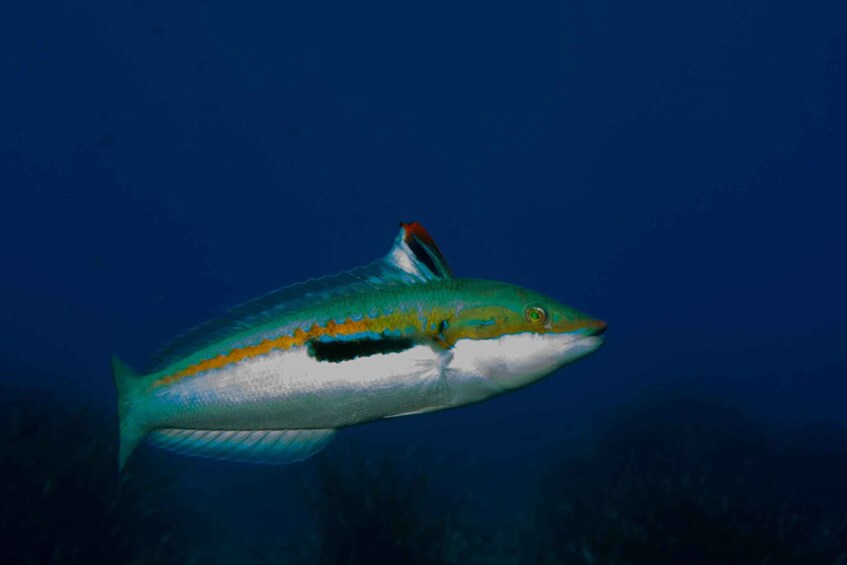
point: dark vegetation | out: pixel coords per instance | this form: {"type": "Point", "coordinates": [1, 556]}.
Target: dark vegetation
{"type": "Point", "coordinates": [685, 481]}
{"type": "Point", "coordinates": [668, 481]}
{"type": "Point", "coordinates": [63, 501]}
{"type": "Point", "coordinates": [367, 511]}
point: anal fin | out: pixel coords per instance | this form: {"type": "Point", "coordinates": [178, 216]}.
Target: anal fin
{"type": "Point", "coordinates": [277, 447]}
{"type": "Point", "coordinates": [416, 412]}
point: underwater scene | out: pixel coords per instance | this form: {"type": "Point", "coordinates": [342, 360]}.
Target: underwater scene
{"type": "Point", "coordinates": [423, 283]}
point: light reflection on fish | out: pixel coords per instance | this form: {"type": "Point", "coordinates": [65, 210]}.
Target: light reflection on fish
{"type": "Point", "coordinates": [275, 379]}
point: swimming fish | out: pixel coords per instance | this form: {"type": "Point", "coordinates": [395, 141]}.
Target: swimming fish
{"type": "Point", "coordinates": [275, 378]}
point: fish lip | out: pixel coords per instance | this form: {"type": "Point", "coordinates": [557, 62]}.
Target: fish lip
{"type": "Point", "coordinates": [593, 329]}
{"type": "Point", "coordinates": [597, 328]}
{"type": "Point", "coordinates": [589, 341]}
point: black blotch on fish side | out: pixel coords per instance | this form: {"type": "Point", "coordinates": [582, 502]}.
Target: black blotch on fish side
{"type": "Point", "coordinates": [338, 351]}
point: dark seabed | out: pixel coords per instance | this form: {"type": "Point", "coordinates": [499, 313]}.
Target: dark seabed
{"type": "Point", "coordinates": [677, 169]}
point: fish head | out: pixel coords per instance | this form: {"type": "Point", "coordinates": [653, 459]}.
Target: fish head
{"type": "Point", "coordinates": [514, 337]}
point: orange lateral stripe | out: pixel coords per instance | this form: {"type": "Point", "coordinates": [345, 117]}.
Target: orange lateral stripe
{"type": "Point", "coordinates": [283, 343]}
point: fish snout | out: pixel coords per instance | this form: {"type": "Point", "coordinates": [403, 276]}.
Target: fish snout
{"type": "Point", "coordinates": [595, 328]}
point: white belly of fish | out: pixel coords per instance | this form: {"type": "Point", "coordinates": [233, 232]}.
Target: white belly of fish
{"type": "Point", "coordinates": [292, 390]}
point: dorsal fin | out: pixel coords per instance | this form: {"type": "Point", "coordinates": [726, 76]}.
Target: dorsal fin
{"type": "Point", "coordinates": [419, 246]}
{"type": "Point", "coordinates": [414, 258]}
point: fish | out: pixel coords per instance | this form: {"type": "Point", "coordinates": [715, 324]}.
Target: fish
{"type": "Point", "coordinates": [275, 378]}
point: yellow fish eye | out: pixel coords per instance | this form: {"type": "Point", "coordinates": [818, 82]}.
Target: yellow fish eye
{"type": "Point", "coordinates": [535, 314]}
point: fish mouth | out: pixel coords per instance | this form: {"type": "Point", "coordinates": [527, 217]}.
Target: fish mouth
{"type": "Point", "coordinates": [589, 339]}
{"type": "Point", "coordinates": [585, 344]}
{"type": "Point", "coordinates": [596, 328]}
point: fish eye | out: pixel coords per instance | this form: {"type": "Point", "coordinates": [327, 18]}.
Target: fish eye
{"type": "Point", "coordinates": [535, 314]}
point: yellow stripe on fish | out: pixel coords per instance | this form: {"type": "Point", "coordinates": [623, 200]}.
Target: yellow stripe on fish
{"type": "Point", "coordinates": [298, 338]}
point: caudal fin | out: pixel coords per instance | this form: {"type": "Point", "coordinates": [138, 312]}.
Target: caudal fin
{"type": "Point", "coordinates": [130, 388]}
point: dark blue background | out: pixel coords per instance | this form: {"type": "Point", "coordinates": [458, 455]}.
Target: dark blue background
{"type": "Point", "coordinates": [675, 168]}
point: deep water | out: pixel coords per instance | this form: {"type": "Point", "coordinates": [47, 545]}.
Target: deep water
{"type": "Point", "coordinates": [675, 169]}
{"type": "Point", "coordinates": [669, 479]}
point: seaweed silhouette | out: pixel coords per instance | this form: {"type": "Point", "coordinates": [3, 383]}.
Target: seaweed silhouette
{"type": "Point", "coordinates": [677, 480]}
{"type": "Point", "coordinates": [380, 511]}
{"type": "Point", "coordinates": [63, 501]}
{"type": "Point", "coordinates": [670, 480]}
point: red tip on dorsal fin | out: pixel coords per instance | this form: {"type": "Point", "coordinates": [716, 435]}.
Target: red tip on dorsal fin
{"type": "Point", "coordinates": [417, 230]}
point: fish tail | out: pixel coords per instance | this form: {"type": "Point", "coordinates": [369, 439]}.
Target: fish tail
{"type": "Point", "coordinates": [132, 427]}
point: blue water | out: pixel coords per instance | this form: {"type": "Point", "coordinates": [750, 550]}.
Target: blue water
{"type": "Point", "coordinates": [677, 170]}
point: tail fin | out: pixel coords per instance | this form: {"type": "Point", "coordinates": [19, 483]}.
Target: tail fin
{"type": "Point", "coordinates": [132, 429]}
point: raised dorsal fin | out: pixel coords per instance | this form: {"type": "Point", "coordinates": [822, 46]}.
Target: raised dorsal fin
{"type": "Point", "coordinates": [424, 258]}
{"type": "Point", "coordinates": [414, 258]}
